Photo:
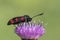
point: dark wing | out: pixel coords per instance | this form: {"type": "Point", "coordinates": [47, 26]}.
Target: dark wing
{"type": "Point", "coordinates": [14, 21]}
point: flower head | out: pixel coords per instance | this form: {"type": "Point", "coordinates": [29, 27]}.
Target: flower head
{"type": "Point", "coordinates": [30, 30]}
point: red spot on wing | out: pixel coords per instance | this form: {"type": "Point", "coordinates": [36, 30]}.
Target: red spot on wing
{"type": "Point", "coordinates": [12, 21]}
{"type": "Point", "coordinates": [22, 19]}
{"type": "Point", "coordinates": [16, 19]}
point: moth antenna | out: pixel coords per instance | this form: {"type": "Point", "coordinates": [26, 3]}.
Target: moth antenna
{"type": "Point", "coordinates": [38, 15]}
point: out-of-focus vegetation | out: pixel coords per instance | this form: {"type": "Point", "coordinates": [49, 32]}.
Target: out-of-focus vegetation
{"type": "Point", "coordinates": [13, 8]}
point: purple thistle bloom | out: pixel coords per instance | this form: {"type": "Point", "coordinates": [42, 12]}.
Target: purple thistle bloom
{"type": "Point", "coordinates": [30, 30]}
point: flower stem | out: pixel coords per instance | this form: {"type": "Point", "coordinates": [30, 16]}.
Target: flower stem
{"type": "Point", "coordinates": [29, 39]}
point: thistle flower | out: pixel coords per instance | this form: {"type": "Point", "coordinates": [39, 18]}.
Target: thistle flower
{"type": "Point", "coordinates": [30, 30]}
